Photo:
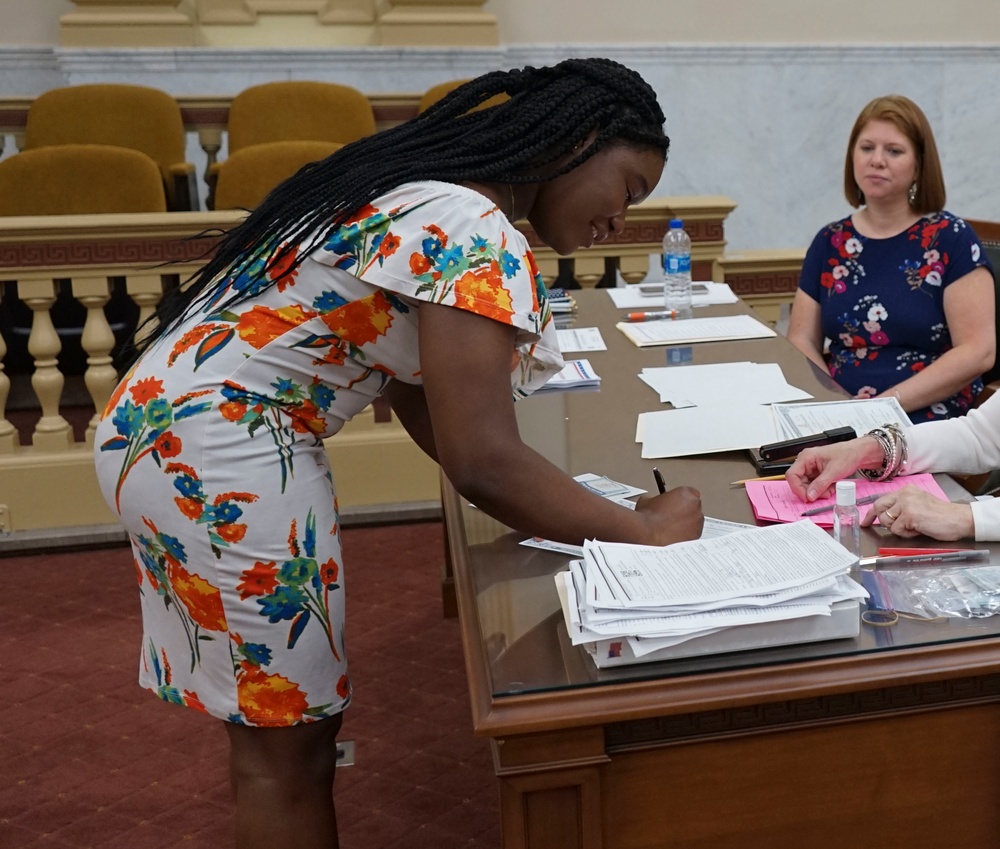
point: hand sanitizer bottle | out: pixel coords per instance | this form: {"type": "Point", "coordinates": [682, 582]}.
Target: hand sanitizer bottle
{"type": "Point", "coordinates": [847, 522]}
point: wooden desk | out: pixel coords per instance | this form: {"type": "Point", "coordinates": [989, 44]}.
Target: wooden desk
{"type": "Point", "coordinates": [891, 739]}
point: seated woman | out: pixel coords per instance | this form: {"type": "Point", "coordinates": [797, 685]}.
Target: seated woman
{"type": "Point", "coordinates": [966, 445]}
{"type": "Point", "coordinates": [901, 288]}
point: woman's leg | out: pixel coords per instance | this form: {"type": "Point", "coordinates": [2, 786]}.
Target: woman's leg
{"type": "Point", "coordinates": [283, 784]}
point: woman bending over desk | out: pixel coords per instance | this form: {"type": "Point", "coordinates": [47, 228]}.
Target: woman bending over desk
{"type": "Point", "coordinates": [966, 445]}
{"type": "Point", "coordinates": [901, 288]}
{"type": "Point", "coordinates": [392, 267]}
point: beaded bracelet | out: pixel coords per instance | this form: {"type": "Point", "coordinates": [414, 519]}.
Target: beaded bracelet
{"type": "Point", "coordinates": [892, 441]}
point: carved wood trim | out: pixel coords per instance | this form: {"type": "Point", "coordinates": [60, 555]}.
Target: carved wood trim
{"type": "Point", "coordinates": [770, 717]}
{"type": "Point", "coordinates": [763, 283]}
{"type": "Point", "coordinates": [131, 252]}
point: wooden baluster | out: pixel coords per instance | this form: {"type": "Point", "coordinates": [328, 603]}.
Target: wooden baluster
{"type": "Point", "coordinates": [52, 432]}
{"type": "Point", "coordinates": [98, 340]}
{"type": "Point", "coordinates": [210, 139]}
{"type": "Point", "coordinates": [588, 269]}
{"type": "Point", "coordinates": [147, 291]}
{"type": "Point", "coordinates": [8, 433]}
{"type": "Point", "coordinates": [634, 267]}
{"type": "Point", "coordinates": [548, 267]}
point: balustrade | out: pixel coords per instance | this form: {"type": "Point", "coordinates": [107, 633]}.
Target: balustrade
{"type": "Point", "coordinates": [49, 481]}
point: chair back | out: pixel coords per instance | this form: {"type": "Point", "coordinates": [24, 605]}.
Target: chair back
{"type": "Point", "coordinates": [992, 249]}
{"type": "Point", "coordinates": [291, 110]}
{"type": "Point", "coordinates": [136, 117]}
{"type": "Point", "coordinates": [78, 179]}
{"type": "Point", "coordinates": [246, 177]}
{"type": "Point", "coordinates": [436, 92]}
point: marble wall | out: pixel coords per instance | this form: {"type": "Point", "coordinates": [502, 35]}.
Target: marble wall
{"type": "Point", "coordinates": [765, 125]}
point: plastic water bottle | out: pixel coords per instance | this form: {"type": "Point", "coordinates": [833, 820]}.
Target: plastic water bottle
{"type": "Point", "coordinates": [847, 522]}
{"type": "Point", "coordinates": [677, 269]}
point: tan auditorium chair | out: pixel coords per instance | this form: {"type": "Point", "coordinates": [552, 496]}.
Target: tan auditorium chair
{"type": "Point", "coordinates": [245, 178]}
{"type": "Point", "coordinates": [131, 116]}
{"type": "Point", "coordinates": [291, 110]}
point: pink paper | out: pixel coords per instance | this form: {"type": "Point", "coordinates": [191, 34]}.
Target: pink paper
{"type": "Point", "coordinates": [773, 501]}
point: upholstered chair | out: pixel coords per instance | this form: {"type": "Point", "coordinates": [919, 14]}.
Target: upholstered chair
{"type": "Point", "coordinates": [290, 110]}
{"type": "Point", "coordinates": [80, 179]}
{"type": "Point", "coordinates": [245, 178]}
{"type": "Point", "coordinates": [137, 117]}
{"type": "Point", "coordinates": [436, 92]}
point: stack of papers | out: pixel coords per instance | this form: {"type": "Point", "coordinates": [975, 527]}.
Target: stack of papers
{"type": "Point", "coordinates": [709, 429]}
{"type": "Point", "coordinates": [721, 383]}
{"type": "Point", "coordinates": [649, 296]}
{"type": "Point", "coordinates": [575, 374]}
{"type": "Point", "coordinates": [690, 330]}
{"type": "Point", "coordinates": [560, 301]}
{"type": "Point", "coordinates": [628, 603]}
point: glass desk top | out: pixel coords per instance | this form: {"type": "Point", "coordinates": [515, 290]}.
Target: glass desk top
{"type": "Point", "coordinates": [523, 637]}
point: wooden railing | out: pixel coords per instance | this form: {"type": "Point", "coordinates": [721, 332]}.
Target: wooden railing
{"type": "Point", "coordinates": [47, 469]}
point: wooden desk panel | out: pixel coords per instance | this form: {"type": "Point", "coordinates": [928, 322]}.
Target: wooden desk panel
{"type": "Point", "coordinates": [890, 739]}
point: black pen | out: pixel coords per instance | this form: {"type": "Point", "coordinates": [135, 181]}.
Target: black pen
{"type": "Point", "coordinates": [660, 485]}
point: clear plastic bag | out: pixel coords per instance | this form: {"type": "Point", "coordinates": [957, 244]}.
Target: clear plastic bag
{"type": "Point", "coordinates": [965, 593]}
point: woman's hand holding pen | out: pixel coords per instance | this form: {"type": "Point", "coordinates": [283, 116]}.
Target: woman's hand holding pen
{"type": "Point", "coordinates": [674, 515]}
{"type": "Point", "coordinates": [911, 512]}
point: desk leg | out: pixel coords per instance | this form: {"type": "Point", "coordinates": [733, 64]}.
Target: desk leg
{"type": "Point", "coordinates": [550, 790]}
{"type": "Point", "coordinates": [449, 601]}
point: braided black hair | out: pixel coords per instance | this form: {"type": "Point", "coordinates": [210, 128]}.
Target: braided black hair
{"type": "Point", "coordinates": [547, 114]}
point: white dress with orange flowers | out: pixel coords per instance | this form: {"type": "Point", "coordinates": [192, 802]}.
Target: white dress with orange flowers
{"type": "Point", "coordinates": [211, 447]}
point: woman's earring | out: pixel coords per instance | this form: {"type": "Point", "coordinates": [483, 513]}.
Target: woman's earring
{"type": "Point", "coordinates": [913, 193]}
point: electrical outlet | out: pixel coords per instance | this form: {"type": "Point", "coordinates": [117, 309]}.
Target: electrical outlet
{"type": "Point", "coordinates": [345, 753]}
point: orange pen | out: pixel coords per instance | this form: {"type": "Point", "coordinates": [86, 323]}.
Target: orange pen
{"type": "Point", "coordinates": [651, 316]}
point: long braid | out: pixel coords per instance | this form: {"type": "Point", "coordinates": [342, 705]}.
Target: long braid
{"type": "Point", "coordinates": [547, 114]}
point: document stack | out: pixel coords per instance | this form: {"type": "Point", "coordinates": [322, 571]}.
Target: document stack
{"type": "Point", "coordinates": [745, 590]}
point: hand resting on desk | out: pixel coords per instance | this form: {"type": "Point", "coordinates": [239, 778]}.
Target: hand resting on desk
{"type": "Point", "coordinates": [911, 512]}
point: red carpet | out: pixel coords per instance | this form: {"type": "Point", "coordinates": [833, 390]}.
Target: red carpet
{"type": "Point", "coordinates": [89, 759]}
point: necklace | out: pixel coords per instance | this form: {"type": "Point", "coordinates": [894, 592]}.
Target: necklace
{"type": "Point", "coordinates": [510, 187]}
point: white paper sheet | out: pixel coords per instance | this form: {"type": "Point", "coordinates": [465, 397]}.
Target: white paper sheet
{"type": "Point", "coordinates": [692, 330]}
{"type": "Point", "coordinates": [633, 297]}
{"type": "Point", "coordinates": [725, 384]}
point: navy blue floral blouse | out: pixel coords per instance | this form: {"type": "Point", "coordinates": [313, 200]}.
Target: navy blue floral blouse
{"type": "Point", "coordinates": [882, 303]}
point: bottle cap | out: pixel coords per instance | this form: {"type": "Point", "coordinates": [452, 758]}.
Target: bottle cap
{"type": "Point", "coordinates": [676, 223]}
{"type": "Point", "coordinates": [846, 494]}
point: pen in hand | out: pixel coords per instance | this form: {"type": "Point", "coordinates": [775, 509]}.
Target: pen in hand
{"type": "Point", "coordinates": [868, 499]}
{"type": "Point", "coordinates": [660, 485]}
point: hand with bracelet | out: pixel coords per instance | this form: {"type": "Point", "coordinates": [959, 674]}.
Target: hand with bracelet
{"type": "Point", "coordinates": [880, 455]}
{"type": "Point", "coordinates": [965, 445]}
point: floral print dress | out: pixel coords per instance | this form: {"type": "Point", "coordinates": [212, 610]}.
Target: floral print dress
{"type": "Point", "coordinates": [211, 449]}
{"type": "Point", "coordinates": [882, 303]}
